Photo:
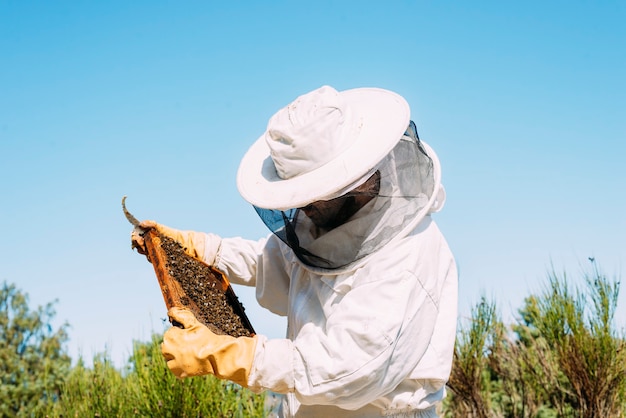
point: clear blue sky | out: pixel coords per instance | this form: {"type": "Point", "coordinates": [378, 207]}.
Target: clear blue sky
{"type": "Point", "coordinates": [524, 102]}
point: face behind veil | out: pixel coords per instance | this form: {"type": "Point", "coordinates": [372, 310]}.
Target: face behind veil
{"type": "Point", "coordinates": [336, 233]}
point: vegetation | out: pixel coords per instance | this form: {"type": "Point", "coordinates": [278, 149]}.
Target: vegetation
{"type": "Point", "coordinates": [33, 362]}
{"type": "Point", "coordinates": [148, 389]}
{"type": "Point", "coordinates": [563, 357]}
{"type": "Point", "coordinates": [37, 380]}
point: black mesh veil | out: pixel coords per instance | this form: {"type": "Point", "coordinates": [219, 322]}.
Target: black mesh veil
{"type": "Point", "coordinates": [405, 184]}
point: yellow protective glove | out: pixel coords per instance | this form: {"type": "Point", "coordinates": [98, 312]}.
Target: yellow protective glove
{"type": "Point", "coordinates": [194, 350]}
{"type": "Point", "coordinates": [194, 243]}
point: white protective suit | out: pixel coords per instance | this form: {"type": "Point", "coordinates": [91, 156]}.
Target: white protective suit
{"type": "Point", "coordinates": [373, 338]}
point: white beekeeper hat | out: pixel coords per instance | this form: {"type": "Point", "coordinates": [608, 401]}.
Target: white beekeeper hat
{"type": "Point", "coordinates": [321, 145]}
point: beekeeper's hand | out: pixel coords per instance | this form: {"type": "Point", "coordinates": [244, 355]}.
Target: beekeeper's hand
{"type": "Point", "coordinates": [200, 245]}
{"type": "Point", "coordinates": [195, 350]}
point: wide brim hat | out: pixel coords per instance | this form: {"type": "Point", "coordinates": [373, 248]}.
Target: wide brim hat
{"type": "Point", "coordinates": [321, 145]}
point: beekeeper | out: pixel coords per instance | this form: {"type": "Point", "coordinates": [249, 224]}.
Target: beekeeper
{"type": "Point", "coordinates": [354, 260]}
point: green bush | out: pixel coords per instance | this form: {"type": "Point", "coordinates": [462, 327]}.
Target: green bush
{"type": "Point", "coordinates": [563, 358]}
{"type": "Point", "coordinates": [470, 381]}
{"type": "Point", "coordinates": [37, 380]}
{"type": "Point", "coordinates": [148, 389]}
{"type": "Point", "coordinates": [33, 360]}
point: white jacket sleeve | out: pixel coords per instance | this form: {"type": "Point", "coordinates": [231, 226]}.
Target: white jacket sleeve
{"type": "Point", "coordinates": [242, 260]}
{"type": "Point", "coordinates": [237, 258]}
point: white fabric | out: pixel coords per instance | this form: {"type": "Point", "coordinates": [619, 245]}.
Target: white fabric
{"type": "Point", "coordinates": [410, 189]}
{"type": "Point", "coordinates": [376, 340]}
{"type": "Point", "coordinates": [321, 143]}
{"type": "Point", "coordinates": [211, 248]}
{"type": "Point", "coordinates": [312, 130]}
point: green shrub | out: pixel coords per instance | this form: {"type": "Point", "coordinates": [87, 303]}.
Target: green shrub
{"type": "Point", "coordinates": [563, 357]}
{"type": "Point", "coordinates": [148, 389]}
{"type": "Point", "coordinates": [33, 360]}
